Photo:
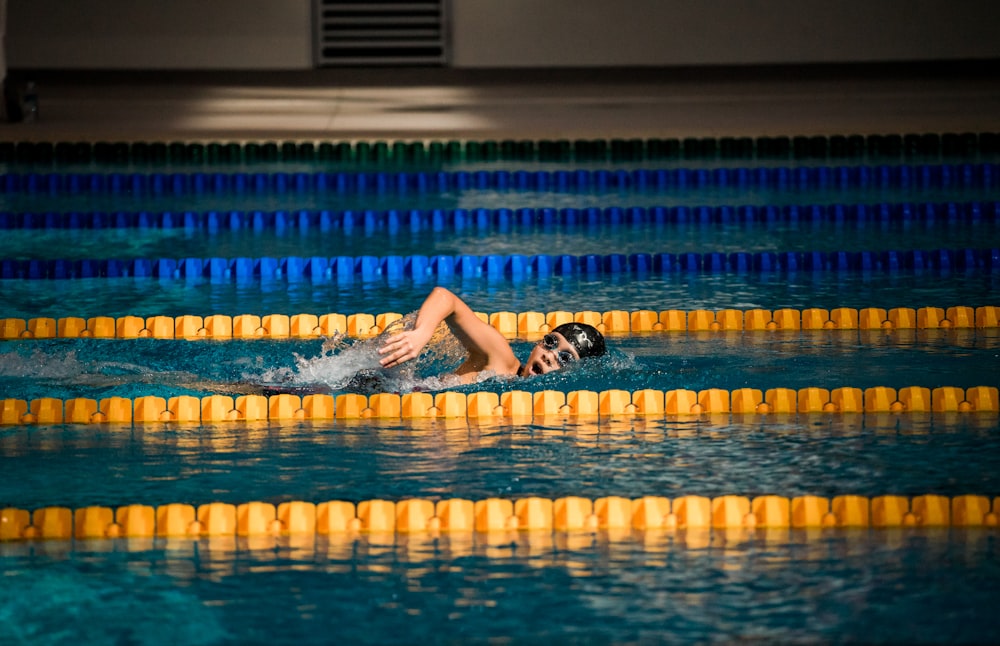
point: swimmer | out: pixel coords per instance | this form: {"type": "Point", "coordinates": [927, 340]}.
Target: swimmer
{"type": "Point", "coordinates": [489, 351]}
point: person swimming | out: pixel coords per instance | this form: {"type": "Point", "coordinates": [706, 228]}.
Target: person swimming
{"type": "Point", "coordinates": [488, 350]}
{"type": "Point", "coordinates": [388, 363]}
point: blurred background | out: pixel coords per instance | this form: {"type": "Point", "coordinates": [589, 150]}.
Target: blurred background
{"type": "Point", "coordinates": [463, 34]}
{"type": "Point", "coordinates": [134, 69]}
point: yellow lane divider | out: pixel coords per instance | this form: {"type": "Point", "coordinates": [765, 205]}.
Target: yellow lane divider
{"type": "Point", "coordinates": [567, 514]}
{"type": "Point", "coordinates": [510, 324]}
{"type": "Point", "coordinates": [517, 405]}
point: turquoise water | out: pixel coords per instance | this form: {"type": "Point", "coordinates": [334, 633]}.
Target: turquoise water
{"type": "Point", "coordinates": [788, 455]}
{"type": "Point", "coordinates": [151, 297]}
{"type": "Point", "coordinates": [883, 586]}
{"type": "Point", "coordinates": [125, 244]}
{"type": "Point", "coordinates": [855, 587]}
{"type": "Point", "coordinates": [482, 198]}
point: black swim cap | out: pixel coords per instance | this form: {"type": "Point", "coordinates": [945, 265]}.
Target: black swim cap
{"type": "Point", "coordinates": [587, 341]}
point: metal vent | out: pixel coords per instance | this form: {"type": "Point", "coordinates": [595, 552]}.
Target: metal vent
{"type": "Point", "coordinates": [380, 32]}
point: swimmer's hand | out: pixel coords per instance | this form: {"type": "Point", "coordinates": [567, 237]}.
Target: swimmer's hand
{"type": "Point", "coordinates": [402, 347]}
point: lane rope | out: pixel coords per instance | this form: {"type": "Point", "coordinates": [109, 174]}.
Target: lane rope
{"type": "Point", "coordinates": [484, 406]}
{"type": "Point", "coordinates": [922, 177]}
{"type": "Point", "coordinates": [543, 219]}
{"type": "Point", "coordinates": [497, 267]}
{"type": "Point", "coordinates": [510, 324]}
{"type": "Point", "coordinates": [689, 513]}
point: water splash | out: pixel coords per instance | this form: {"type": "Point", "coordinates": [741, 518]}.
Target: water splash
{"type": "Point", "coordinates": [350, 365]}
{"type": "Point", "coordinates": [353, 364]}
{"type": "Point", "coordinates": [341, 365]}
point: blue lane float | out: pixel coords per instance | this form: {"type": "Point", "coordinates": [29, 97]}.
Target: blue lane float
{"type": "Point", "coordinates": [915, 177]}
{"type": "Point", "coordinates": [501, 267]}
{"type": "Point", "coordinates": [394, 221]}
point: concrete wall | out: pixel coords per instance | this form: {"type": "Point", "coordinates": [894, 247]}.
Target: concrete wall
{"type": "Point", "coordinates": [160, 34]}
{"type": "Point", "coordinates": [529, 33]}
{"type": "Point", "coordinates": [277, 34]}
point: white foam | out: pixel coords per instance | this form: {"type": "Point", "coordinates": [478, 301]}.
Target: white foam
{"type": "Point", "coordinates": [341, 359]}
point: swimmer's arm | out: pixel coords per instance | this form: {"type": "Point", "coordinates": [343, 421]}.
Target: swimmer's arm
{"type": "Point", "coordinates": [486, 346]}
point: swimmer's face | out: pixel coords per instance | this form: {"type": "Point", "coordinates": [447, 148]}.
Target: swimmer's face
{"type": "Point", "coordinates": [552, 353]}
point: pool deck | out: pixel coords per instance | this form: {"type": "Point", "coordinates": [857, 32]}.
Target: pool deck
{"type": "Point", "coordinates": [391, 104]}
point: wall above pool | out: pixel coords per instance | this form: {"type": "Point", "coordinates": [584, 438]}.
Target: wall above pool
{"type": "Point", "coordinates": [568, 33]}
{"type": "Point", "coordinates": [278, 34]}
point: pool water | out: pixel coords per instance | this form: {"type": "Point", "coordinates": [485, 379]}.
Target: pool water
{"type": "Point", "coordinates": [363, 460]}
{"type": "Point", "coordinates": [645, 237]}
{"type": "Point", "coordinates": [829, 359]}
{"type": "Point", "coordinates": [146, 297]}
{"type": "Point", "coordinates": [850, 587]}
{"type": "Point", "coordinates": [896, 585]}
{"type": "Point", "coordinates": [899, 585]}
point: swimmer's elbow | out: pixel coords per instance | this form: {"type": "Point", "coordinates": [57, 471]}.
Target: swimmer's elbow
{"type": "Point", "coordinates": [440, 305]}
{"type": "Point", "coordinates": [449, 302]}
{"type": "Point", "coordinates": [443, 292]}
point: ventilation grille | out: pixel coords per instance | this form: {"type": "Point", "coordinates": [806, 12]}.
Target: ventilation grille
{"type": "Point", "coordinates": [380, 32]}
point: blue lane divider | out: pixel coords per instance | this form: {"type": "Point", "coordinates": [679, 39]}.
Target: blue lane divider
{"type": "Point", "coordinates": [394, 221]}
{"type": "Point", "coordinates": [502, 267]}
{"type": "Point", "coordinates": [923, 176]}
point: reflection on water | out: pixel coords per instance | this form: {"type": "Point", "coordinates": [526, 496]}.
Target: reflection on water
{"type": "Point", "coordinates": [145, 297]}
{"type": "Point", "coordinates": [746, 455]}
{"type": "Point", "coordinates": [598, 238]}
{"type": "Point", "coordinates": [783, 586]}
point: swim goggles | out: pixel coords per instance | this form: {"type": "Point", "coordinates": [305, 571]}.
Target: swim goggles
{"type": "Point", "coordinates": [550, 342]}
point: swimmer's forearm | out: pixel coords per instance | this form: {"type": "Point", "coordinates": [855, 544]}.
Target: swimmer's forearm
{"type": "Point", "coordinates": [440, 305]}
